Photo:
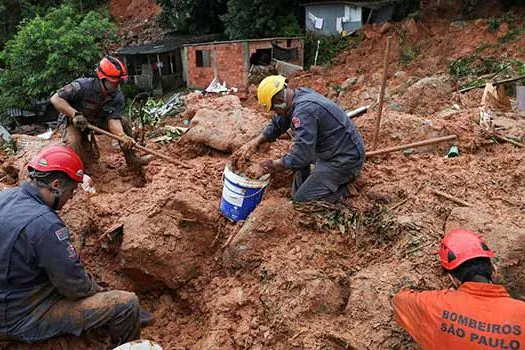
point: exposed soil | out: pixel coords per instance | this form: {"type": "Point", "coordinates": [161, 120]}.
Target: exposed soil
{"type": "Point", "coordinates": [300, 277]}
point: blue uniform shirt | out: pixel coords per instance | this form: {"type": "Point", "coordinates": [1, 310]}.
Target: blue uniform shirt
{"type": "Point", "coordinates": [38, 263]}
{"type": "Point", "coordinates": [324, 134]}
{"type": "Point", "coordinates": [86, 95]}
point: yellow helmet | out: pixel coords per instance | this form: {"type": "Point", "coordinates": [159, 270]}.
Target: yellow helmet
{"type": "Point", "coordinates": [268, 88]}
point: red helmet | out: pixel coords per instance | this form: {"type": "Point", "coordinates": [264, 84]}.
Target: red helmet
{"type": "Point", "coordinates": [461, 245]}
{"type": "Point", "coordinates": [58, 158]}
{"type": "Point", "coordinates": [112, 69]}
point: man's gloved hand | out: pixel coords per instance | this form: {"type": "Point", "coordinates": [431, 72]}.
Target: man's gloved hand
{"type": "Point", "coordinates": [270, 165]}
{"type": "Point", "coordinates": [80, 122]}
{"type": "Point", "coordinates": [128, 142]}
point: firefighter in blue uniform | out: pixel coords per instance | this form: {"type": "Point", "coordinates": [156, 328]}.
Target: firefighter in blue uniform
{"type": "Point", "coordinates": [324, 136]}
{"type": "Point", "coordinates": [100, 102]}
{"type": "Point", "coordinates": [44, 288]}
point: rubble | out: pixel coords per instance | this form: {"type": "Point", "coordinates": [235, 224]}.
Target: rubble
{"type": "Point", "coordinates": [278, 281]}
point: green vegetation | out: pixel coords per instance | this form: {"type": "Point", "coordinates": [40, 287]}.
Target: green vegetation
{"type": "Point", "coordinates": [408, 53]}
{"type": "Point", "coordinates": [329, 47]}
{"type": "Point", "coordinates": [48, 52]}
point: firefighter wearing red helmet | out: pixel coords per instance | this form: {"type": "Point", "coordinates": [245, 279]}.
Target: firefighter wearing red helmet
{"type": "Point", "coordinates": [45, 290]}
{"type": "Point", "coordinates": [100, 102]}
{"type": "Point", "coordinates": [475, 314]}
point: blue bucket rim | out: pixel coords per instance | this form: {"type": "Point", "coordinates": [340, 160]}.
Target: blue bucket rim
{"type": "Point", "coordinates": [244, 181]}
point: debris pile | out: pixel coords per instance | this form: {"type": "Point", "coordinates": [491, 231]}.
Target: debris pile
{"type": "Point", "coordinates": [278, 281]}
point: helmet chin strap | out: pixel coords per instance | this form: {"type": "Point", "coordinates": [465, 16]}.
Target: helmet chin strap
{"type": "Point", "coordinates": [283, 105]}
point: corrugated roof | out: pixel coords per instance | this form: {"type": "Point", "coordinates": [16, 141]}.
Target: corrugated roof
{"type": "Point", "coordinates": [368, 4]}
{"type": "Point", "coordinates": [244, 40]}
{"type": "Point", "coordinates": [167, 44]}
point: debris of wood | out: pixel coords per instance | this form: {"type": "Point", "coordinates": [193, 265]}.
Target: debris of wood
{"type": "Point", "coordinates": [420, 247]}
{"type": "Point", "coordinates": [506, 81]}
{"type": "Point", "coordinates": [509, 140]}
{"type": "Point", "coordinates": [412, 145]}
{"type": "Point", "coordinates": [4, 134]}
{"type": "Point", "coordinates": [449, 197]}
{"type": "Point", "coordinates": [110, 233]}
{"type": "Point", "coordinates": [495, 98]}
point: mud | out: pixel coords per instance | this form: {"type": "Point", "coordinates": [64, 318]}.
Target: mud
{"type": "Point", "coordinates": [282, 280]}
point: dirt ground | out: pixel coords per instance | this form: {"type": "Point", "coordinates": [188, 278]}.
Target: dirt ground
{"type": "Point", "coordinates": [310, 277]}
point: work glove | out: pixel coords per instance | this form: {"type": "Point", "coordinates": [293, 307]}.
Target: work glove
{"type": "Point", "coordinates": [127, 142]}
{"type": "Point", "coordinates": [80, 122]}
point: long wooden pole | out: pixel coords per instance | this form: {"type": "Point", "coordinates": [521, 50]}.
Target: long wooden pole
{"type": "Point", "coordinates": [381, 93]}
{"type": "Point", "coordinates": [412, 145]}
{"type": "Point", "coordinates": [452, 198]}
{"type": "Point", "coordinates": [506, 81]}
{"type": "Point", "coordinates": [142, 148]}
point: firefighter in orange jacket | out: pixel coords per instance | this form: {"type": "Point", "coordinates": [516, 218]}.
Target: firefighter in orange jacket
{"type": "Point", "coordinates": [476, 314]}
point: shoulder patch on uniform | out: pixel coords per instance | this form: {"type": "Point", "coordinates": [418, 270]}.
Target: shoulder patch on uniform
{"type": "Point", "coordinates": [296, 122]}
{"type": "Point", "coordinates": [62, 234]}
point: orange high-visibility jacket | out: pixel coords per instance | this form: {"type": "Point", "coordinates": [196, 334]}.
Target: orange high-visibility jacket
{"type": "Point", "coordinates": [476, 316]}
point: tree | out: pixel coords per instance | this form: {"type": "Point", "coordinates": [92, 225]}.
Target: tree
{"type": "Point", "coordinates": [12, 12]}
{"type": "Point", "coordinates": [247, 19]}
{"type": "Point", "coordinates": [193, 16]}
{"type": "Point", "coordinates": [48, 52]}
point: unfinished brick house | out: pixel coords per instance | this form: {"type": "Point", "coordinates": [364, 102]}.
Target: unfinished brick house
{"type": "Point", "coordinates": [230, 61]}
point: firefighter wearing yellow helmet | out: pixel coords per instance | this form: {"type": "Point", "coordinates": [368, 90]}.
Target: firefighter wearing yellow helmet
{"type": "Point", "coordinates": [324, 136]}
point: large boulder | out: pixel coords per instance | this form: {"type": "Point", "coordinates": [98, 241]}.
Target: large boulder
{"type": "Point", "coordinates": [272, 217]}
{"type": "Point", "coordinates": [427, 96]}
{"type": "Point", "coordinates": [222, 123]}
{"type": "Point", "coordinates": [171, 244]}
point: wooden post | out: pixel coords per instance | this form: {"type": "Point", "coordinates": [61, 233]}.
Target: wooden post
{"type": "Point", "coordinates": [520, 98]}
{"type": "Point", "coordinates": [381, 93]}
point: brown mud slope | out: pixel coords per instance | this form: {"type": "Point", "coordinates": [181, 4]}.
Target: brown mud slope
{"type": "Point", "coordinates": [309, 277]}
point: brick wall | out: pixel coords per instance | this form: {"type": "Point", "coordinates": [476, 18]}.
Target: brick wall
{"type": "Point", "coordinates": [230, 65]}
{"type": "Point", "coordinates": [232, 62]}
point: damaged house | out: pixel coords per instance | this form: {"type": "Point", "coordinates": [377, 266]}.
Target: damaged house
{"type": "Point", "coordinates": [345, 17]}
{"type": "Point", "coordinates": [232, 61]}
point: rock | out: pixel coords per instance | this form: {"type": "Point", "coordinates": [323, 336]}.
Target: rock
{"type": "Point", "coordinates": [447, 113]}
{"type": "Point", "coordinates": [502, 30]}
{"type": "Point", "coordinates": [426, 96]}
{"type": "Point", "coordinates": [360, 80]}
{"type": "Point", "coordinates": [272, 217]}
{"type": "Point", "coordinates": [411, 27]}
{"type": "Point", "coordinates": [401, 75]}
{"type": "Point", "coordinates": [315, 69]}
{"type": "Point", "coordinates": [371, 290]}
{"type": "Point", "coordinates": [222, 123]}
{"type": "Point", "coordinates": [169, 245]}
{"type": "Point", "coordinates": [395, 106]}
{"type": "Point", "coordinates": [349, 82]}
{"type": "Point", "coordinates": [386, 27]}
